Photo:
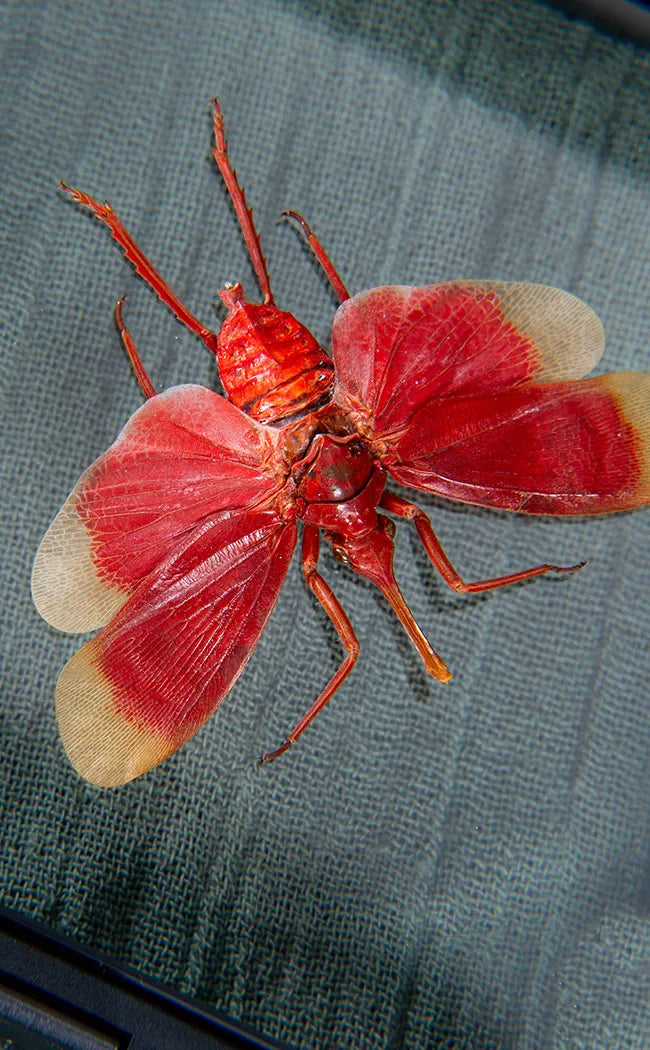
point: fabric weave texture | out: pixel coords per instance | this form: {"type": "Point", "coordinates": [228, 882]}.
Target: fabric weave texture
{"type": "Point", "coordinates": [431, 866]}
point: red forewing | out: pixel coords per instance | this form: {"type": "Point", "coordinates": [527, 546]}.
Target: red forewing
{"type": "Point", "coordinates": [470, 390]}
{"type": "Point", "coordinates": [557, 448]}
{"type": "Point", "coordinates": [395, 348]}
{"type": "Point", "coordinates": [149, 680]}
{"type": "Point", "coordinates": [184, 455]}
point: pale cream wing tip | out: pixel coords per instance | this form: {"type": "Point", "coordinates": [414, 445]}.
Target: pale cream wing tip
{"type": "Point", "coordinates": [567, 333]}
{"type": "Point", "coordinates": [65, 587]}
{"type": "Point", "coordinates": [102, 746]}
{"type": "Point", "coordinates": [631, 391]}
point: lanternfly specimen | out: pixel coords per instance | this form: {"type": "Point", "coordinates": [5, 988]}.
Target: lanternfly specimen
{"type": "Point", "coordinates": [177, 540]}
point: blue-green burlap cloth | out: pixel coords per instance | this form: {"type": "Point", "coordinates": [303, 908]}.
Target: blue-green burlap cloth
{"type": "Point", "coordinates": [457, 866]}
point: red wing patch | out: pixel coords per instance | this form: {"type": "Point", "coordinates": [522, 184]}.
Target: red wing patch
{"type": "Point", "coordinates": [184, 455]}
{"type": "Point", "coordinates": [396, 348]}
{"type": "Point", "coordinates": [156, 673]}
{"type": "Point", "coordinates": [557, 448]}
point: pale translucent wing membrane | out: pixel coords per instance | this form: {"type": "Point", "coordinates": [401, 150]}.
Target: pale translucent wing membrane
{"type": "Point", "coordinates": [102, 746]}
{"type": "Point", "coordinates": [182, 456]}
{"type": "Point", "coordinates": [65, 586]}
{"type": "Point", "coordinates": [156, 673]}
{"type": "Point", "coordinates": [630, 391]}
{"type": "Point", "coordinates": [569, 336]}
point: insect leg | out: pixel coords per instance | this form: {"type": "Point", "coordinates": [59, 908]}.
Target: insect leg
{"type": "Point", "coordinates": [141, 374]}
{"type": "Point", "coordinates": [404, 509]}
{"type": "Point", "coordinates": [320, 253]}
{"type": "Point", "coordinates": [143, 267]}
{"type": "Point", "coordinates": [338, 616]}
{"type": "Point", "coordinates": [238, 197]}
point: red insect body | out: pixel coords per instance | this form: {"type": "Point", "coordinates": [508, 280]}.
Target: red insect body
{"type": "Point", "coordinates": [177, 540]}
{"type": "Point", "coordinates": [269, 364]}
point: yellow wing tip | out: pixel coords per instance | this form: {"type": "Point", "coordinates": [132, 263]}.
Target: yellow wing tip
{"type": "Point", "coordinates": [103, 747]}
{"type": "Point", "coordinates": [66, 588]}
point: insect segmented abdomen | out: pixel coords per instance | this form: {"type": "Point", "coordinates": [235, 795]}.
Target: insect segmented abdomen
{"type": "Point", "coordinates": [270, 365]}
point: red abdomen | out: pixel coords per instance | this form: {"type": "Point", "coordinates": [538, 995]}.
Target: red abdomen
{"type": "Point", "coordinates": [270, 365]}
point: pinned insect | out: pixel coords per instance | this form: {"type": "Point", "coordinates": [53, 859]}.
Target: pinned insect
{"type": "Point", "coordinates": [177, 540]}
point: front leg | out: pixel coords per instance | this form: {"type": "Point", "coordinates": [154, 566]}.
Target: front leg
{"type": "Point", "coordinates": [141, 374]}
{"type": "Point", "coordinates": [143, 267]}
